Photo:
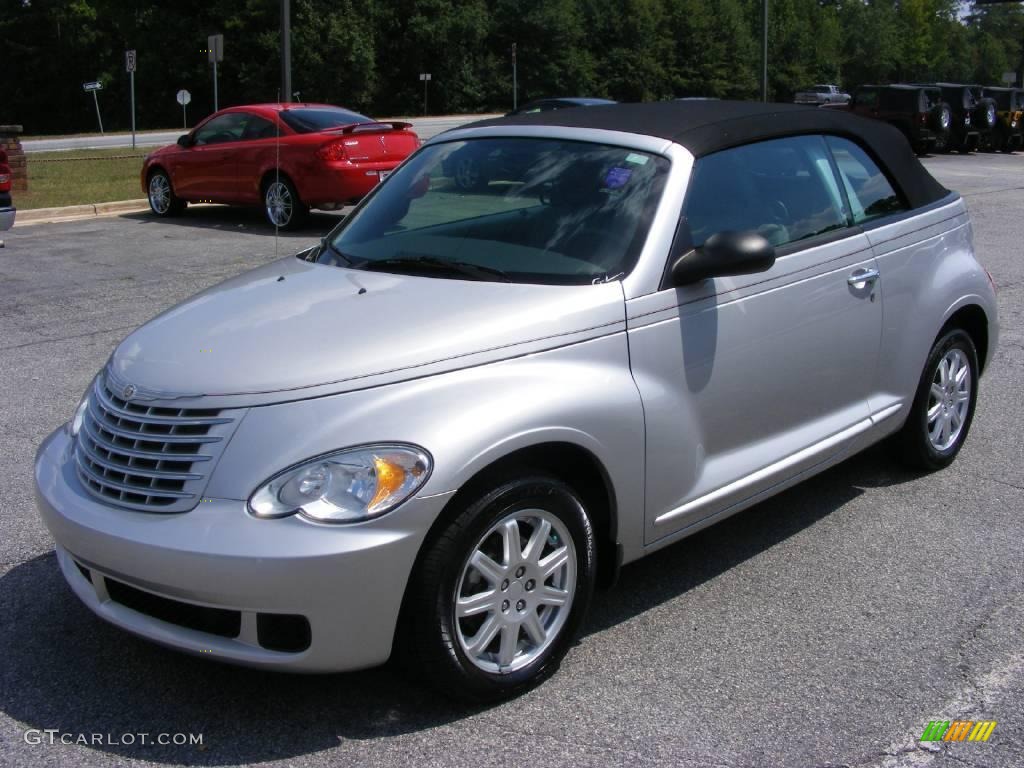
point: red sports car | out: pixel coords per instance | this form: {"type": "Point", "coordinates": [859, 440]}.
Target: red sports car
{"type": "Point", "coordinates": [287, 158]}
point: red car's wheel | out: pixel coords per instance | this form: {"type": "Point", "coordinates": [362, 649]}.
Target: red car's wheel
{"type": "Point", "coordinates": [281, 204]}
{"type": "Point", "coordinates": [162, 200]}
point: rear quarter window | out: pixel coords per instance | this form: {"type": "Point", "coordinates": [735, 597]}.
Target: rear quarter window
{"type": "Point", "coordinates": [869, 191]}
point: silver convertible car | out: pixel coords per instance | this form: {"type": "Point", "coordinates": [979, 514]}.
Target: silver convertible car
{"type": "Point", "coordinates": [432, 435]}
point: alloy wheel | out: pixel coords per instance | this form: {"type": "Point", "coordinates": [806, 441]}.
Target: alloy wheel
{"type": "Point", "coordinates": [516, 591]}
{"type": "Point", "coordinates": [159, 193]}
{"type": "Point", "coordinates": [279, 203]}
{"type": "Point", "coordinates": [949, 399]}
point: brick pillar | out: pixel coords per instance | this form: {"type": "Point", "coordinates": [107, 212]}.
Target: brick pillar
{"type": "Point", "coordinates": [10, 142]}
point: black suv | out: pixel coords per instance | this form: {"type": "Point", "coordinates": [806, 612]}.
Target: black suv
{"type": "Point", "coordinates": [974, 116]}
{"type": "Point", "coordinates": [917, 110]}
{"type": "Point", "coordinates": [1008, 134]}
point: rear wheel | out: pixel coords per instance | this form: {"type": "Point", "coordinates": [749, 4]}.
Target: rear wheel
{"type": "Point", "coordinates": [943, 407]}
{"type": "Point", "coordinates": [281, 204]}
{"type": "Point", "coordinates": [162, 200]}
{"type": "Point", "coordinates": [497, 598]}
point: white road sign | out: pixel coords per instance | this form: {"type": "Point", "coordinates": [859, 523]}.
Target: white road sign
{"type": "Point", "coordinates": [184, 97]}
{"type": "Point", "coordinates": [424, 76]}
{"type": "Point", "coordinates": [94, 86]}
{"type": "Point", "coordinates": [129, 61]}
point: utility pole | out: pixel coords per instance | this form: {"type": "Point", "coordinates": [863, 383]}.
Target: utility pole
{"type": "Point", "coordinates": [764, 51]}
{"type": "Point", "coordinates": [286, 49]}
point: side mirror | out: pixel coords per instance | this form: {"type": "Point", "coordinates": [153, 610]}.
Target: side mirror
{"type": "Point", "coordinates": [184, 141]}
{"type": "Point", "coordinates": [724, 254]}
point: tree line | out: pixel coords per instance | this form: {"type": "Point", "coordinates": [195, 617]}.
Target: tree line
{"type": "Point", "coordinates": [368, 54]}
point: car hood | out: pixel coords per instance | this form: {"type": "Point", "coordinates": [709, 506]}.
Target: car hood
{"type": "Point", "coordinates": [294, 329]}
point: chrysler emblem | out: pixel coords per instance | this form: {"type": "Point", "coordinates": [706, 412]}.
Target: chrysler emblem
{"type": "Point", "coordinates": [128, 391]}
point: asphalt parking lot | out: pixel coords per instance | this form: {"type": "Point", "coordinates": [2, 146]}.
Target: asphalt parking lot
{"type": "Point", "coordinates": [824, 627]}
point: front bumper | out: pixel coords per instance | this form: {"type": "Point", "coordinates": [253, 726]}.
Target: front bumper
{"type": "Point", "coordinates": [346, 581]}
{"type": "Point", "coordinates": [7, 218]}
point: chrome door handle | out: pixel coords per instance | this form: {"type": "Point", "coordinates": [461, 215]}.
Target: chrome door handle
{"type": "Point", "coordinates": [862, 276]}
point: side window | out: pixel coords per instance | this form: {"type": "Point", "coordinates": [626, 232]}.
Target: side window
{"type": "Point", "coordinates": [866, 98]}
{"type": "Point", "coordinates": [869, 191]}
{"type": "Point", "coordinates": [783, 189]}
{"type": "Point", "coordinates": [259, 128]}
{"type": "Point", "coordinates": [227, 127]}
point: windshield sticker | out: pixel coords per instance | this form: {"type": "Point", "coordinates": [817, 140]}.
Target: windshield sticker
{"type": "Point", "coordinates": [636, 159]}
{"type": "Point", "coordinates": [617, 178]}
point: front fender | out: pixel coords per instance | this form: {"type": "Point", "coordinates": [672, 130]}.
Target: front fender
{"type": "Point", "coordinates": [582, 394]}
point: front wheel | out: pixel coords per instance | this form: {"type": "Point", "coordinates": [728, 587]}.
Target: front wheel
{"type": "Point", "coordinates": [943, 407]}
{"type": "Point", "coordinates": [162, 200]}
{"type": "Point", "coordinates": [281, 204]}
{"type": "Point", "coordinates": [498, 596]}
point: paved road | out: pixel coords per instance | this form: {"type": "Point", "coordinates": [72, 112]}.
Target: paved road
{"type": "Point", "coordinates": [426, 127]}
{"type": "Point", "coordinates": [824, 627]}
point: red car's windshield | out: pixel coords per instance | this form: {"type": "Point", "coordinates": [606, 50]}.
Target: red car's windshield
{"type": "Point", "coordinates": [313, 119]}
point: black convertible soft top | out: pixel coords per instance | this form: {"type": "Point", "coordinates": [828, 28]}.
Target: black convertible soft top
{"type": "Point", "coordinates": [704, 127]}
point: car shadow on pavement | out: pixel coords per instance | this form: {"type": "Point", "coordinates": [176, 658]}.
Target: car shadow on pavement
{"type": "Point", "coordinates": [251, 220]}
{"type": "Point", "coordinates": [67, 670]}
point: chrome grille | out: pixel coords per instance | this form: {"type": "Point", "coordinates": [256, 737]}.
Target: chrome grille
{"type": "Point", "coordinates": [145, 457]}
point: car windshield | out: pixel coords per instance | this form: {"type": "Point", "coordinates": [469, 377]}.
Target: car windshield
{"type": "Point", "coordinates": [313, 119]}
{"type": "Point", "coordinates": [516, 209]}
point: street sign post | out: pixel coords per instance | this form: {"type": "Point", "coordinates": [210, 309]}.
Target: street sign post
{"type": "Point", "coordinates": [129, 65]}
{"type": "Point", "coordinates": [215, 53]}
{"type": "Point", "coordinates": [425, 77]}
{"type": "Point", "coordinates": [1009, 78]}
{"type": "Point", "coordinates": [93, 88]}
{"type": "Point", "coordinates": [184, 97]}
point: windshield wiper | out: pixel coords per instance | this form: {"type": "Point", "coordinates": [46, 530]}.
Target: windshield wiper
{"type": "Point", "coordinates": [434, 264]}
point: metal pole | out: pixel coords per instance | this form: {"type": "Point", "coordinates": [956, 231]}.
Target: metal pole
{"type": "Point", "coordinates": [133, 109]}
{"type": "Point", "coordinates": [215, 107]}
{"type": "Point", "coordinates": [515, 80]}
{"type": "Point", "coordinates": [425, 84]}
{"type": "Point", "coordinates": [184, 116]}
{"type": "Point", "coordinates": [764, 52]}
{"type": "Point", "coordinates": [286, 50]}
{"type": "Point", "coordinates": [96, 101]}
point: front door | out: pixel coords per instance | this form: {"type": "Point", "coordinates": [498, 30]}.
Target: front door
{"type": "Point", "coordinates": [207, 170]}
{"type": "Point", "coordinates": [748, 381]}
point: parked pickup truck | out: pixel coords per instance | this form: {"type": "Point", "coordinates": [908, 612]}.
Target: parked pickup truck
{"type": "Point", "coordinates": [6, 206]}
{"type": "Point", "coordinates": [821, 94]}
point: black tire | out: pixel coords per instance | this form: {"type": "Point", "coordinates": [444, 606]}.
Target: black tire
{"type": "Point", "coordinates": [940, 119]}
{"type": "Point", "coordinates": [914, 445]}
{"type": "Point", "coordinates": [160, 193]}
{"type": "Point", "coordinates": [282, 206]}
{"type": "Point", "coordinates": [428, 644]}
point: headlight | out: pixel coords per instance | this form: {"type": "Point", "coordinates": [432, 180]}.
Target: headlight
{"type": "Point", "coordinates": [75, 425]}
{"type": "Point", "coordinates": [346, 486]}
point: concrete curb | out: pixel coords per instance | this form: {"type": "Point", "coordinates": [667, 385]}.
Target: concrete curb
{"type": "Point", "coordinates": [71, 212]}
